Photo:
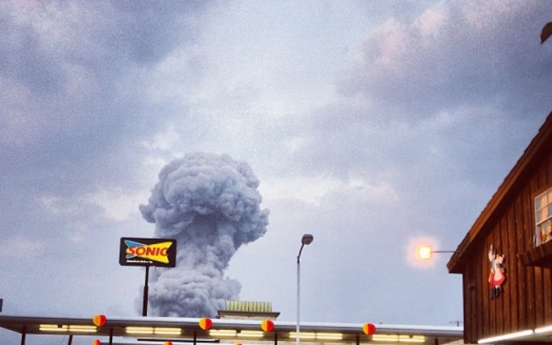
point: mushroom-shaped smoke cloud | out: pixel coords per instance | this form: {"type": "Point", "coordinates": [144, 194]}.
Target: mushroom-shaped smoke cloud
{"type": "Point", "coordinates": [211, 206]}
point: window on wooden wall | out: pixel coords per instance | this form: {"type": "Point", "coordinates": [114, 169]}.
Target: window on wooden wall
{"type": "Point", "coordinates": [543, 218]}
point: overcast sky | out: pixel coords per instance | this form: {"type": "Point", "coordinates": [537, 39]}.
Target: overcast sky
{"type": "Point", "coordinates": [373, 126]}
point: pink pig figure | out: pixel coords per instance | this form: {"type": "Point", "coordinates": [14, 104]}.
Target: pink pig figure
{"type": "Point", "coordinates": [497, 277]}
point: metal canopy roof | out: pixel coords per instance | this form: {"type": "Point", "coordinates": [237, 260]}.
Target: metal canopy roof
{"type": "Point", "coordinates": [234, 331]}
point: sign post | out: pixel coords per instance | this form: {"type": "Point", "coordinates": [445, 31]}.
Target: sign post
{"type": "Point", "coordinates": [147, 252]}
{"type": "Point", "coordinates": [146, 294]}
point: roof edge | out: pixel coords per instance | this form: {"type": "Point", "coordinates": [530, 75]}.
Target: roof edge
{"type": "Point", "coordinates": [545, 131]}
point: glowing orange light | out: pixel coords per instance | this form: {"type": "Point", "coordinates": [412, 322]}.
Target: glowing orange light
{"type": "Point", "coordinates": [96, 342]}
{"type": "Point", "coordinates": [424, 252]}
{"type": "Point", "coordinates": [267, 325]}
{"type": "Point", "coordinates": [368, 328]}
{"type": "Point", "coordinates": [205, 323]}
{"type": "Point", "coordinates": [99, 320]}
{"type": "Point", "coordinates": [168, 343]}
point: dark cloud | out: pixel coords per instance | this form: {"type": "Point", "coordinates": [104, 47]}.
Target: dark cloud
{"type": "Point", "coordinates": [149, 30]}
{"type": "Point", "coordinates": [78, 78]}
{"type": "Point", "coordinates": [457, 56]}
{"type": "Point", "coordinates": [418, 86]}
{"type": "Point", "coordinates": [23, 60]}
{"type": "Point", "coordinates": [73, 110]}
{"type": "Point", "coordinates": [73, 92]}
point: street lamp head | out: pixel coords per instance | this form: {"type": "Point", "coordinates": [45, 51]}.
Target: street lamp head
{"type": "Point", "coordinates": [307, 239]}
{"type": "Point", "coordinates": [424, 252]}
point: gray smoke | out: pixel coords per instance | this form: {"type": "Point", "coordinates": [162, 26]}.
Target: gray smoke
{"type": "Point", "coordinates": [210, 205]}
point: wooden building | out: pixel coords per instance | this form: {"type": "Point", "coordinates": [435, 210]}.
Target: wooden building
{"type": "Point", "coordinates": [506, 257]}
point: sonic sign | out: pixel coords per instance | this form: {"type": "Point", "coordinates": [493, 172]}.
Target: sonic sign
{"type": "Point", "coordinates": [147, 252]}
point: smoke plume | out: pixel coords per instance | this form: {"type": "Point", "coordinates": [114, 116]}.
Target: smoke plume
{"type": "Point", "coordinates": [210, 205]}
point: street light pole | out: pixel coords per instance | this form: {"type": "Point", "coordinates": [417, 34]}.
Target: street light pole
{"type": "Point", "coordinates": [307, 239]}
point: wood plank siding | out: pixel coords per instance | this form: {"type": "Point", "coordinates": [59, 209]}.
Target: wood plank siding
{"type": "Point", "coordinates": [508, 224]}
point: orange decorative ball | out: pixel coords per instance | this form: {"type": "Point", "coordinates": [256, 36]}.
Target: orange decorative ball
{"type": "Point", "coordinates": [96, 342]}
{"type": "Point", "coordinates": [99, 320]}
{"type": "Point", "coordinates": [368, 328]}
{"type": "Point", "coordinates": [205, 323]}
{"type": "Point", "coordinates": [267, 325]}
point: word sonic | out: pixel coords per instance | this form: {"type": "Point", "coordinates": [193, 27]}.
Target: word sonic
{"type": "Point", "coordinates": [156, 252]}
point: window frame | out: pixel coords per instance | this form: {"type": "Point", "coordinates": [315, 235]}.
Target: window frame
{"type": "Point", "coordinates": [542, 219]}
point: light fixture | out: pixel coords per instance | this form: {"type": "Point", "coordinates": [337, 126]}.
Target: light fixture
{"type": "Point", "coordinates": [544, 329]}
{"type": "Point", "coordinates": [53, 328]}
{"type": "Point", "coordinates": [329, 336]}
{"type": "Point", "coordinates": [424, 252]}
{"type": "Point", "coordinates": [167, 331]}
{"type": "Point", "coordinates": [139, 330]}
{"type": "Point", "coordinates": [398, 338]}
{"type": "Point", "coordinates": [505, 337]}
{"type": "Point", "coordinates": [222, 333]}
{"type": "Point", "coordinates": [307, 239]}
{"type": "Point", "coordinates": [250, 334]}
{"type": "Point", "coordinates": [83, 328]}
{"type": "Point", "coordinates": [385, 337]}
{"type": "Point", "coordinates": [303, 335]}
{"type": "Point", "coordinates": [411, 338]}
